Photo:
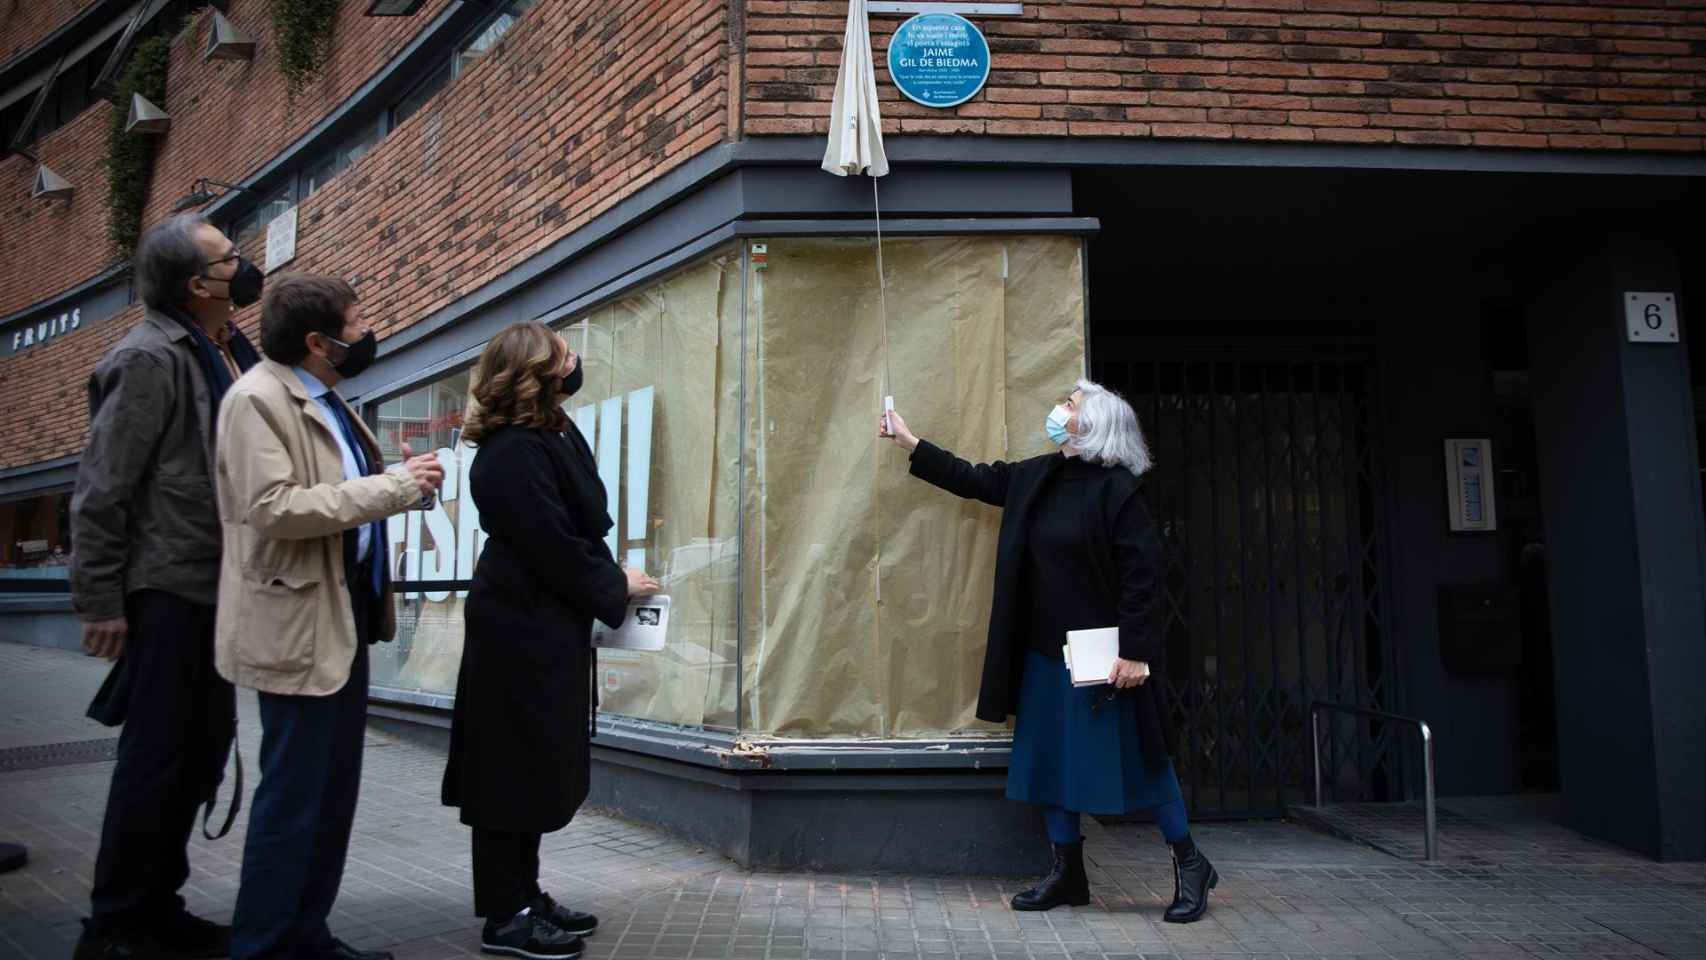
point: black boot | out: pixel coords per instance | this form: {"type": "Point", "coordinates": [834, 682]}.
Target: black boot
{"type": "Point", "coordinates": [1193, 878]}
{"type": "Point", "coordinates": [1065, 883]}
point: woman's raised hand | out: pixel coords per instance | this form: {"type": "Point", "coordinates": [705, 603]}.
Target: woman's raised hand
{"type": "Point", "coordinates": [640, 583]}
{"type": "Point", "coordinates": [892, 426]}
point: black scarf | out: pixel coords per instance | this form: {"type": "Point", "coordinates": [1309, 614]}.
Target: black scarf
{"type": "Point", "coordinates": [213, 366]}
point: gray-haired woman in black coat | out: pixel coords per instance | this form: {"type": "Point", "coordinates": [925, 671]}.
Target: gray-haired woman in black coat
{"type": "Point", "coordinates": [1077, 550]}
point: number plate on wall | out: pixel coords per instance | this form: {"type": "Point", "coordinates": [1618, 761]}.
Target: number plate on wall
{"type": "Point", "coordinates": [1651, 317]}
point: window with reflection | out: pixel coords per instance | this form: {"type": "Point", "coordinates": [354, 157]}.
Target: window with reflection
{"type": "Point", "coordinates": [35, 537]}
{"type": "Point", "coordinates": [816, 589]}
{"type": "Point", "coordinates": [254, 223]}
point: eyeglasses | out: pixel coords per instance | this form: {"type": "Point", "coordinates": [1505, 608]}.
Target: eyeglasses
{"type": "Point", "coordinates": [1107, 697]}
{"type": "Point", "coordinates": [203, 272]}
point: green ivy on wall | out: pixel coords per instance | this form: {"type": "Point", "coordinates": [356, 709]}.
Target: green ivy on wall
{"type": "Point", "coordinates": [130, 156]}
{"type": "Point", "coordinates": [303, 31]}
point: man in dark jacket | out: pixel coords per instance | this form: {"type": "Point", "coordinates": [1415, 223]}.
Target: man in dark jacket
{"type": "Point", "coordinates": [144, 577]}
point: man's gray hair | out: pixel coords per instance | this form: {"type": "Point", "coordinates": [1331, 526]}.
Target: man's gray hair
{"type": "Point", "coordinates": [1108, 432]}
{"type": "Point", "coordinates": [167, 258]}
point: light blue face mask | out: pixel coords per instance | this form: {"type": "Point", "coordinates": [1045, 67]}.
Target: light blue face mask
{"type": "Point", "coordinates": [1055, 425]}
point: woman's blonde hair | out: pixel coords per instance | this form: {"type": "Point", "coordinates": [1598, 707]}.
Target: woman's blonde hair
{"type": "Point", "coordinates": [515, 382]}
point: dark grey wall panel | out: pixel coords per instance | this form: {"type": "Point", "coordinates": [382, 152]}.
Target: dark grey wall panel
{"type": "Point", "coordinates": [1434, 384]}
{"type": "Point", "coordinates": [1621, 490]}
{"type": "Point", "coordinates": [908, 191]}
{"type": "Point", "coordinates": [1140, 152]}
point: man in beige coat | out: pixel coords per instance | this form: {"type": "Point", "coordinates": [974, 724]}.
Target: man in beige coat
{"type": "Point", "coordinates": [303, 590]}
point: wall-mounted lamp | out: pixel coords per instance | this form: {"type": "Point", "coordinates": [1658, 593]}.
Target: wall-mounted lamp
{"type": "Point", "coordinates": [51, 186]}
{"type": "Point", "coordinates": [201, 194]}
{"type": "Point", "coordinates": [226, 42]}
{"type": "Point", "coordinates": [145, 117]}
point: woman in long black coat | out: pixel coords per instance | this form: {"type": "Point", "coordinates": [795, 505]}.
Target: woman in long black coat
{"type": "Point", "coordinates": [520, 735]}
{"type": "Point", "coordinates": [1077, 551]}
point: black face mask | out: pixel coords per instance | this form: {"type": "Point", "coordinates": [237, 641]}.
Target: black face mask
{"type": "Point", "coordinates": [245, 285]}
{"type": "Point", "coordinates": [358, 356]}
{"type": "Point", "coordinates": [572, 382]}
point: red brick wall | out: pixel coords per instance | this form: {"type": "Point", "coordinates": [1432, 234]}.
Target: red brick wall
{"type": "Point", "coordinates": [43, 392]}
{"type": "Point", "coordinates": [51, 245]}
{"type": "Point", "coordinates": [28, 22]}
{"type": "Point", "coordinates": [1609, 76]}
{"type": "Point", "coordinates": [230, 118]}
{"type": "Point", "coordinates": [578, 107]}
{"type": "Point", "coordinates": [544, 134]}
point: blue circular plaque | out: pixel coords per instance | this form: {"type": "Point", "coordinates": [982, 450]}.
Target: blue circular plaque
{"type": "Point", "coordinates": [939, 59]}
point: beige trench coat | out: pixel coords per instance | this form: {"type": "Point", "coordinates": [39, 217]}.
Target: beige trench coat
{"type": "Point", "coordinates": [284, 623]}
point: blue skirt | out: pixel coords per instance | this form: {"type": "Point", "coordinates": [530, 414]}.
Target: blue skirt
{"type": "Point", "coordinates": [1066, 755]}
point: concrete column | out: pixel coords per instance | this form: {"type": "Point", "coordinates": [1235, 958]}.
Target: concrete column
{"type": "Point", "coordinates": [1626, 544]}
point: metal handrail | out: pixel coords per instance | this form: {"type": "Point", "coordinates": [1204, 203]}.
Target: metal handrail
{"type": "Point", "coordinates": [1431, 826]}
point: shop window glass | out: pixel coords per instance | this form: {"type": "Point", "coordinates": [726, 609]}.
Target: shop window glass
{"type": "Point", "coordinates": [35, 538]}
{"type": "Point", "coordinates": [865, 592]}
{"type": "Point", "coordinates": [439, 544]}
{"type": "Point", "coordinates": [817, 589]}
{"type": "Point", "coordinates": [660, 408]}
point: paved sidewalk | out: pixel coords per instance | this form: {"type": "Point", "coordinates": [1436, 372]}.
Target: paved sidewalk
{"type": "Point", "coordinates": [1285, 891]}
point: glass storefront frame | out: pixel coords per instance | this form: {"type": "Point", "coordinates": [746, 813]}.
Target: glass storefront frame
{"type": "Point", "coordinates": [35, 542]}
{"type": "Point", "coordinates": [717, 743]}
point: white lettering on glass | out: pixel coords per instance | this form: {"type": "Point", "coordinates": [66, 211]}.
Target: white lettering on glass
{"type": "Point", "coordinates": [456, 543]}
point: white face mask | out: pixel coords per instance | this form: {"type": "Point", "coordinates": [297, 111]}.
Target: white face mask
{"type": "Point", "coordinates": [1055, 425]}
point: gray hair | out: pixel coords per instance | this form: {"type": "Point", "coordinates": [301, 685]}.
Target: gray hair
{"type": "Point", "coordinates": [167, 258]}
{"type": "Point", "coordinates": [1108, 432]}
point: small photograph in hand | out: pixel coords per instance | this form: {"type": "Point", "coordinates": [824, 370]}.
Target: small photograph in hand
{"type": "Point", "coordinates": [644, 627]}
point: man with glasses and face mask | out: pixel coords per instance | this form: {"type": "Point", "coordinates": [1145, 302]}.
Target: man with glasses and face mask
{"type": "Point", "coordinates": [144, 576]}
{"type": "Point", "coordinates": [305, 589]}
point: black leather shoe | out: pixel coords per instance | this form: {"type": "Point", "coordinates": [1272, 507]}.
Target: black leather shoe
{"type": "Point", "coordinates": [130, 945]}
{"type": "Point", "coordinates": [1193, 878]}
{"type": "Point", "coordinates": [570, 921]}
{"type": "Point", "coordinates": [340, 950]}
{"type": "Point", "coordinates": [1065, 884]}
{"type": "Point", "coordinates": [191, 937]}
{"type": "Point", "coordinates": [531, 936]}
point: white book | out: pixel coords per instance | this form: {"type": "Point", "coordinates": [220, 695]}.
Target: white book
{"type": "Point", "coordinates": [644, 626]}
{"type": "Point", "coordinates": [1090, 655]}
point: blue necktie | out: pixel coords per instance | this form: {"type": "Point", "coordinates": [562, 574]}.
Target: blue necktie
{"type": "Point", "coordinates": [348, 429]}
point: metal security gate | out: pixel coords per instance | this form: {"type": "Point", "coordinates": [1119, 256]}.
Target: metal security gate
{"type": "Point", "coordinates": [1268, 493]}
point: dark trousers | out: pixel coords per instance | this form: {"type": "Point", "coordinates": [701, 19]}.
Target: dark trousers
{"type": "Point", "coordinates": [299, 824]}
{"type": "Point", "coordinates": [171, 753]}
{"type": "Point", "coordinates": [506, 872]}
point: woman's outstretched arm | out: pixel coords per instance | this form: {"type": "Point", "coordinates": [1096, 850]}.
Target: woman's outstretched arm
{"type": "Point", "coordinates": [930, 463]}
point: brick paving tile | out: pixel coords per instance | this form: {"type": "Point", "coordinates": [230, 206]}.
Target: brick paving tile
{"type": "Point", "coordinates": [1512, 885]}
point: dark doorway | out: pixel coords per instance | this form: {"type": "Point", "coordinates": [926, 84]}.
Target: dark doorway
{"type": "Point", "coordinates": [1243, 311]}
{"type": "Point", "coordinates": [1270, 512]}
{"type": "Point", "coordinates": [1256, 384]}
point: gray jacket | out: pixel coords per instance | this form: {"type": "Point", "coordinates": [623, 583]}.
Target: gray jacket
{"type": "Point", "coordinates": [143, 516]}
